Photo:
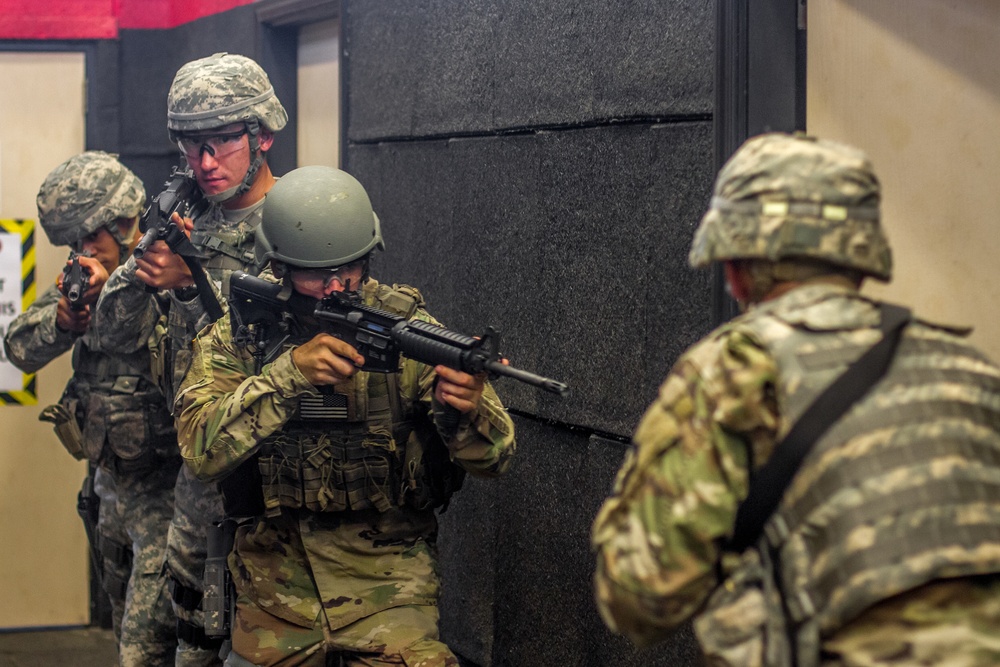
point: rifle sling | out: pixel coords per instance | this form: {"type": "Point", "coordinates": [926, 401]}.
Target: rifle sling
{"type": "Point", "coordinates": [205, 292]}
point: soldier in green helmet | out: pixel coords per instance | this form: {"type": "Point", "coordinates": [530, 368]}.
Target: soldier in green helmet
{"type": "Point", "coordinates": [112, 412]}
{"type": "Point", "coordinates": [337, 565]}
{"type": "Point", "coordinates": [884, 548]}
{"type": "Point", "coordinates": [223, 114]}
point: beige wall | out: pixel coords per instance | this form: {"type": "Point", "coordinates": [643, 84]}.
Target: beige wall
{"type": "Point", "coordinates": [44, 556]}
{"type": "Point", "coordinates": [319, 94]}
{"type": "Point", "coordinates": [915, 83]}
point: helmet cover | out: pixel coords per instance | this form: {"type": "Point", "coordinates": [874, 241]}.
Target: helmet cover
{"type": "Point", "coordinates": [783, 196]}
{"type": "Point", "coordinates": [89, 191]}
{"type": "Point", "coordinates": [220, 90]}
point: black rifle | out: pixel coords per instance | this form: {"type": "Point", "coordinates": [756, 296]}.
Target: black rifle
{"type": "Point", "coordinates": [75, 280]}
{"type": "Point", "coordinates": [257, 309]}
{"type": "Point", "coordinates": [182, 195]}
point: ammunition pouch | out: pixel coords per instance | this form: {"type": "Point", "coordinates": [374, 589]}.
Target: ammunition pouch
{"type": "Point", "coordinates": [430, 476]}
{"type": "Point", "coordinates": [66, 427]}
{"type": "Point", "coordinates": [743, 624]}
{"type": "Point", "coordinates": [350, 469]}
{"type": "Point", "coordinates": [120, 414]}
{"type": "Point", "coordinates": [324, 472]}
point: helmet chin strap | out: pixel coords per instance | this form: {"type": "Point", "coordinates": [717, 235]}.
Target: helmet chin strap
{"type": "Point", "coordinates": [123, 240]}
{"type": "Point", "coordinates": [253, 131]}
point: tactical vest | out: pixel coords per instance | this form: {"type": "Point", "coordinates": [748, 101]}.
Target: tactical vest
{"type": "Point", "coordinates": [125, 420]}
{"type": "Point", "coordinates": [226, 250]}
{"type": "Point", "coordinates": [357, 446]}
{"type": "Point", "coordinates": [903, 489]}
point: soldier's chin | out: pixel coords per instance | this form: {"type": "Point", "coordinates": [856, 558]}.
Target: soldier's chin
{"type": "Point", "coordinates": [214, 187]}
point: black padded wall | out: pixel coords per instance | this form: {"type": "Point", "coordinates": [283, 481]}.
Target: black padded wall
{"type": "Point", "coordinates": [541, 166]}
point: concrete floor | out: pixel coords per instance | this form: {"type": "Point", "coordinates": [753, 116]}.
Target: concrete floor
{"type": "Point", "coordinates": [79, 647]}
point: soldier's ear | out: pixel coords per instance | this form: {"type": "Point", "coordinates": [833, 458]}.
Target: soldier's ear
{"type": "Point", "coordinates": [266, 139]}
{"type": "Point", "coordinates": [738, 280]}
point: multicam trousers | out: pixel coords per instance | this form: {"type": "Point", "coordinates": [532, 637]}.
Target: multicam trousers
{"type": "Point", "coordinates": [405, 635]}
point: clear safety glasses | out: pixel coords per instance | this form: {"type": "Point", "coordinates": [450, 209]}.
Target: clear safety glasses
{"type": "Point", "coordinates": [216, 145]}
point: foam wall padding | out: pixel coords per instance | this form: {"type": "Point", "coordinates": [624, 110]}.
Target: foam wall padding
{"type": "Point", "coordinates": [541, 166]}
{"type": "Point", "coordinates": [427, 67]}
{"type": "Point", "coordinates": [518, 564]}
{"type": "Point", "coordinates": [573, 244]}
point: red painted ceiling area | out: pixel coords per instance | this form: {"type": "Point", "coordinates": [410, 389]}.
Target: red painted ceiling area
{"type": "Point", "coordinates": [99, 19]}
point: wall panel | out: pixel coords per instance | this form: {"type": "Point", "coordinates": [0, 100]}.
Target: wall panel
{"type": "Point", "coordinates": [915, 84]}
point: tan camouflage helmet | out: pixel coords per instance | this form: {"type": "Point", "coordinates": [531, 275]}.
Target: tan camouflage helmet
{"type": "Point", "coordinates": [219, 90]}
{"type": "Point", "coordinates": [783, 196]}
{"type": "Point", "coordinates": [89, 191]}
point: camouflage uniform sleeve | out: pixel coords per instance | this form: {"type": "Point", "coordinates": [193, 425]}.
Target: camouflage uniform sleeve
{"type": "Point", "coordinates": [193, 310]}
{"type": "Point", "coordinates": [33, 339]}
{"type": "Point", "coordinates": [678, 490]}
{"type": "Point", "coordinates": [224, 410]}
{"type": "Point", "coordinates": [134, 311]}
{"type": "Point", "coordinates": [483, 443]}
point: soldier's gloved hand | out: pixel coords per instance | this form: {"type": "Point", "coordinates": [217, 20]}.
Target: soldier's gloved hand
{"type": "Point", "coordinates": [160, 267]}
{"type": "Point", "coordinates": [457, 389]}
{"type": "Point", "coordinates": [67, 319]}
{"type": "Point", "coordinates": [326, 360]}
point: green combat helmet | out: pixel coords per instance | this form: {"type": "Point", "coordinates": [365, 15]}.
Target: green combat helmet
{"type": "Point", "coordinates": [784, 196]}
{"type": "Point", "coordinates": [89, 191]}
{"type": "Point", "coordinates": [220, 90]}
{"type": "Point", "coordinates": [317, 217]}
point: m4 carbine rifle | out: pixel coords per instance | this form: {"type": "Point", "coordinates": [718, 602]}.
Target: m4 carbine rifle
{"type": "Point", "coordinates": [181, 195]}
{"type": "Point", "coordinates": [257, 309]}
{"type": "Point", "coordinates": [75, 280]}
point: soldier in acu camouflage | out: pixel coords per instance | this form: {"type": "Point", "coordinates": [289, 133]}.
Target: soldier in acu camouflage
{"type": "Point", "coordinates": [223, 113]}
{"type": "Point", "coordinates": [337, 564]}
{"type": "Point", "coordinates": [885, 548]}
{"type": "Point", "coordinates": [112, 412]}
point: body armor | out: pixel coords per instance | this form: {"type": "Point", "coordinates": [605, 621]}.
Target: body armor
{"type": "Point", "coordinates": [897, 493]}
{"type": "Point", "coordinates": [125, 422]}
{"type": "Point", "coordinates": [356, 446]}
{"type": "Point", "coordinates": [227, 250]}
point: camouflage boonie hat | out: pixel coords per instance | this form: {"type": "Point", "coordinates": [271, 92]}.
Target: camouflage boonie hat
{"type": "Point", "coordinates": [89, 191]}
{"type": "Point", "coordinates": [783, 196]}
{"type": "Point", "coordinates": [219, 90]}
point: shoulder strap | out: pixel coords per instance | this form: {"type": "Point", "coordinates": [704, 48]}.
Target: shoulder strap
{"type": "Point", "coordinates": [769, 483]}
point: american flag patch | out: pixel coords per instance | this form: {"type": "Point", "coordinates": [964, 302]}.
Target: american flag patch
{"type": "Point", "coordinates": [324, 406]}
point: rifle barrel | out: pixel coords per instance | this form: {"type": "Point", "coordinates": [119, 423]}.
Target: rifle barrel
{"type": "Point", "coordinates": [548, 384]}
